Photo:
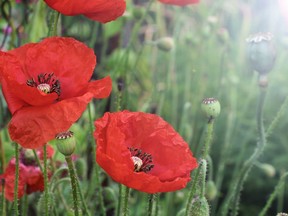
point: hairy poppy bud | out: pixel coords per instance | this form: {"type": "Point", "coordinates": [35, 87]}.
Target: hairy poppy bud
{"type": "Point", "coordinates": [211, 190]}
{"type": "Point", "coordinates": [211, 107]}
{"type": "Point", "coordinates": [261, 52]}
{"type": "Point", "coordinates": [66, 143]}
{"type": "Point", "coordinates": [200, 207]}
{"type": "Point", "coordinates": [165, 44]}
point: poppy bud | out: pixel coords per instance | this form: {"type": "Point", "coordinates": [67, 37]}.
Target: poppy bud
{"type": "Point", "coordinates": [109, 195]}
{"type": "Point", "coordinates": [66, 143]}
{"type": "Point", "coordinates": [268, 169]}
{"type": "Point", "coordinates": [138, 12]}
{"type": "Point", "coordinates": [200, 207]}
{"type": "Point", "coordinates": [211, 107]}
{"type": "Point", "coordinates": [165, 43]}
{"type": "Point", "coordinates": [261, 52]}
{"type": "Point", "coordinates": [81, 168]}
{"type": "Point", "coordinates": [211, 190]}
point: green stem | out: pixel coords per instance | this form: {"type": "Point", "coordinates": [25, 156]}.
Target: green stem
{"type": "Point", "coordinates": [203, 177]}
{"type": "Point", "coordinates": [86, 210]}
{"type": "Point", "coordinates": [208, 139]}
{"type": "Point", "coordinates": [37, 160]}
{"type": "Point", "coordinates": [52, 23]}
{"type": "Point", "coordinates": [193, 190]}
{"type": "Point", "coordinates": [73, 177]}
{"type": "Point", "coordinates": [16, 213]}
{"type": "Point", "coordinates": [124, 204]}
{"type": "Point", "coordinates": [3, 202]}
{"type": "Point", "coordinates": [234, 195]}
{"type": "Point", "coordinates": [152, 204]}
{"type": "Point", "coordinates": [279, 114]}
{"type": "Point", "coordinates": [46, 183]}
{"type": "Point", "coordinates": [272, 197]}
{"type": "Point", "coordinates": [96, 168]}
{"type": "Point", "coordinates": [2, 150]}
{"type": "Point", "coordinates": [119, 200]}
{"type": "Point", "coordinates": [25, 205]}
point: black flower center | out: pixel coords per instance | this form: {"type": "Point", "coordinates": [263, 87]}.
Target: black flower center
{"type": "Point", "coordinates": [47, 83]}
{"type": "Point", "coordinates": [143, 162]}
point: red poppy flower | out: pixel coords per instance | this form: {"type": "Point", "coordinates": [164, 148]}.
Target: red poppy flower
{"type": "Point", "coordinates": [179, 2]}
{"type": "Point", "coordinates": [99, 10]}
{"type": "Point", "coordinates": [46, 86]}
{"type": "Point", "coordinates": [143, 152]}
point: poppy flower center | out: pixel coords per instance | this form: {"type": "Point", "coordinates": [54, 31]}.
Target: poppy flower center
{"type": "Point", "coordinates": [143, 162]}
{"type": "Point", "coordinates": [47, 83]}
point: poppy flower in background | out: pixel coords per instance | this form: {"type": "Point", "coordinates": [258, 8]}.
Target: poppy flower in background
{"type": "Point", "coordinates": [30, 176]}
{"type": "Point", "coordinates": [100, 10]}
{"type": "Point", "coordinates": [46, 86]}
{"type": "Point", "coordinates": [143, 152]}
{"type": "Point", "coordinates": [180, 2]}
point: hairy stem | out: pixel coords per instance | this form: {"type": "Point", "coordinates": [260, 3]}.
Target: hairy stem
{"type": "Point", "coordinates": [73, 179]}
{"type": "Point", "coordinates": [16, 212]}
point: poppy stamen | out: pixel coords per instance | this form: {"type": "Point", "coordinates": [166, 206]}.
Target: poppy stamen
{"type": "Point", "coordinates": [142, 161]}
{"type": "Point", "coordinates": [47, 83]}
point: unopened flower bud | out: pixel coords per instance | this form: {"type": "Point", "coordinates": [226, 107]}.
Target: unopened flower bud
{"type": "Point", "coordinates": [261, 52]}
{"type": "Point", "coordinates": [211, 190]}
{"type": "Point", "coordinates": [200, 207]}
{"type": "Point", "coordinates": [165, 44]}
{"type": "Point", "coordinates": [138, 12]}
{"type": "Point", "coordinates": [268, 169]}
{"type": "Point", "coordinates": [66, 143]}
{"type": "Point", "coordinates": [211, 107]}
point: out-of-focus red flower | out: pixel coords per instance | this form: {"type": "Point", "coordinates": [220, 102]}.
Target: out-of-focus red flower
{"type": "Point", "coordinates": [99, 10]}
{"type": "Point", "coordinates": [179, 2]}
{"type": "Point", "coordinates": [283, 6]}
{"type": "Point", "coordinates": [30, 175]}
{"type": "Point", "coordinates": [46, 86]}
{"type": "Point", "coordinates": [143, 152]}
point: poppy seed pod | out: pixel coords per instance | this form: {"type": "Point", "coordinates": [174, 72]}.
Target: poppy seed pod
{"type": "Point", "coordinates": [165, 44]}
{"type": "Point", "coordinates": [66, 143]}
{"type": "Point", "coordinates": [261, 52]}
{"type": "Point", "coordinates": [211, 107]}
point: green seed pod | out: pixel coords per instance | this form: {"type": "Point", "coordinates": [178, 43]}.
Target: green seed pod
{"type": "Point", "coordinates": [211, 107]}
{"type": "Point", "coordinates": [165, 44]}
{"type": "Point", "coordinates": [211, 190]}
{"type": "Point", "coordinates": [261, 52]}
{"type": "Point", "coordinates": [66, 143]}
{"type": "Point", "coordinates": [200, 207]}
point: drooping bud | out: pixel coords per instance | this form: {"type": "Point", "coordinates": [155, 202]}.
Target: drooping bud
{"type": "Point", "coordinates": [200, 207]}
{"type": "Point", "coordinates": [66, 143]}
{"type": "Point", "coordinates": [165, 44]}
{"type": "Point", "coordinates": [138, 12]}
{"type": "Point", "coordinates": [211, 190]}
{"type": "Point", "coordinates": [211, 107]}
{"type": "Point", "coordinates": [268, 169]}
{"type": "Point", "coordinates": [261, 52]}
